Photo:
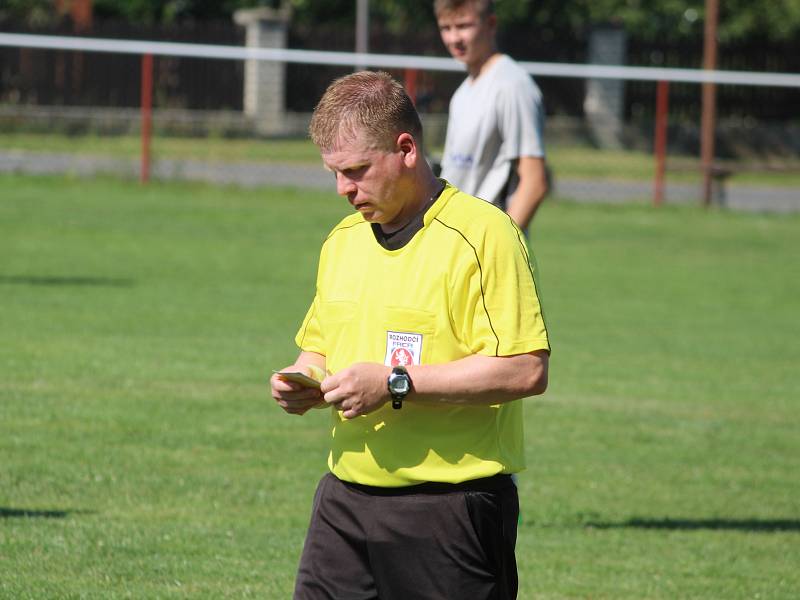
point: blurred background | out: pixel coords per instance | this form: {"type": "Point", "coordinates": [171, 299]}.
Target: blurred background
{"type": "Point", "coordinates": [94, 98]}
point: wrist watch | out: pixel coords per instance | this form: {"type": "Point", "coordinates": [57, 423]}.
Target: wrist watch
{"type": "Point", "coordinates": [399, 384]}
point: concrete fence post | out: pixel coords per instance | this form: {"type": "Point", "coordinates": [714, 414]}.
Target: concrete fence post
{"type": "Point", "coordinates": [604, 104]}
{"type": "Point", "coordinates": [265, 81]}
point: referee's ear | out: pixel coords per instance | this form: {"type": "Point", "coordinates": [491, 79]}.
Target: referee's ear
{"type": "Point", "coordinates": [407, 146]}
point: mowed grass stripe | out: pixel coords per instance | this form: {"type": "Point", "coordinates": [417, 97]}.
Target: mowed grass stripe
{"type": "Point", "coordinates": [142, 457]}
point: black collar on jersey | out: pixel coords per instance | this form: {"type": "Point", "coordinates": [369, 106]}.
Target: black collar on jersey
{"type": "Point", "coordinates": [399, 238]}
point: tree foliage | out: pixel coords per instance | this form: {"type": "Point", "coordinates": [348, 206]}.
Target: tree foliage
{"type": "Point", "coordinates": [34, 12]}
{"type": "Point", "coordinates": [662, 19]}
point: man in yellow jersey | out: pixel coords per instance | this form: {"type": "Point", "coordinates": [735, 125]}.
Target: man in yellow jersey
{"type": "Point", "coordinates": [427, 321]}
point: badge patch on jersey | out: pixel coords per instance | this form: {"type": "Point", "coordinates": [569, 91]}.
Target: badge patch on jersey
{"type": "Point", "coordinates": [403, 349]}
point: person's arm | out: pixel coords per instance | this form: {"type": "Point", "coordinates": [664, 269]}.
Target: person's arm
{"type": "Point", "coordinates": [478, 379]}
{"type": "Point", "coordinates": [530, 192]}
{"type": "Point", "coordinates": [292, 397]}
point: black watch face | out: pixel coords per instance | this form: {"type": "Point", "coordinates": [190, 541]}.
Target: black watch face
{"type": "Point", "coordinates": [401, 385]}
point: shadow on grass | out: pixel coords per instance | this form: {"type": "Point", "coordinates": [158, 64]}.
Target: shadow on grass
{"type": "Point", "coordinates": [24, 513]}
{"type": "Point", "coordinates": [749, 525]}
{"type": "Point", "coordinates": [65, 281]}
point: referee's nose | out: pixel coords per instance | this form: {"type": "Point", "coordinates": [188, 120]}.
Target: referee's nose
{"type": "Point", "coordinates": [344, 185]}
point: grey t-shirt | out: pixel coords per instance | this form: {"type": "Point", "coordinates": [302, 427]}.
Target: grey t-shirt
{"type": "Point", "coordinates": [493, 120]}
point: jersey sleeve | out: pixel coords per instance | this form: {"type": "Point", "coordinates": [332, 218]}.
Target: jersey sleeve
{"type": "Point", "coordinates": [499, 312]}
{"type": "Point", "coordinates": [309, 336]}
{"type": "Point", "coordinates": [521, 120]}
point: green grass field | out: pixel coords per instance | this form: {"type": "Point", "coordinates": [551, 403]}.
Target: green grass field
{"type": "Point", "coordinates": [141, 455]}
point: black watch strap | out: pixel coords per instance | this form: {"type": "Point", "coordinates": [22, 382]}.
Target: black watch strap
{"type": "Point", "coordinates": [399, 384]}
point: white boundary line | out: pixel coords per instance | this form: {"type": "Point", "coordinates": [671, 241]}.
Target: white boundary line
{"type": "Point", "coordinates": [396, 61]}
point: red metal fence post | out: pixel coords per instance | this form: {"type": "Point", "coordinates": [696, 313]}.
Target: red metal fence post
{"type": "Point", "coordinates": [660, 144]}
{"type": "Point", "coordinates": [411, 84]}
{"type": "Point", "coordinates": [146, 114]}
{"type": "Point", "coordinates": [709, 116]}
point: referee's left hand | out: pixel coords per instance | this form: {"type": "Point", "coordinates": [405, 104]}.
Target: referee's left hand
{"type": "Point", "coordinates": [357, 390]}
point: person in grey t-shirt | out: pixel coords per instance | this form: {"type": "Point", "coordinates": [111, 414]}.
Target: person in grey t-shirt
{"type": "Point", "coordinates": [494, 145]}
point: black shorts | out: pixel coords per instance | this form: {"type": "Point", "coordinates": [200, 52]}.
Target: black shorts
{"type": "Point", "coordinates": [431, 542]}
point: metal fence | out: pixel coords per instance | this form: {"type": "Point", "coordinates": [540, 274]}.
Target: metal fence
{"type": "Point", "coordinates": [56, 77]}
{"type": "Point", "coordinates": [81, 74]}
{"type": "Point", "coordinates": [40, 77]}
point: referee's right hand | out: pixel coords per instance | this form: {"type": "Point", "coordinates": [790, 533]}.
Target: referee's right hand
{"type": "Point", "coordinates": [292, 397]}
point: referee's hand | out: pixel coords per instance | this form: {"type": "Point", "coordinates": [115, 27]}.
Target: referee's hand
{"type": "Point", "coordinates": [292, 397]}
{"type": "Point", "coordinates": [357, 390]}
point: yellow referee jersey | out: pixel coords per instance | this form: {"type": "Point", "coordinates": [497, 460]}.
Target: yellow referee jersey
{"type": "Point", "coordinates": [463, 285]}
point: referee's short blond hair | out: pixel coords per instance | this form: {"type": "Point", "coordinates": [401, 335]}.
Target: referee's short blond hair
{"type": "Point", "coordinates": [367, 102]}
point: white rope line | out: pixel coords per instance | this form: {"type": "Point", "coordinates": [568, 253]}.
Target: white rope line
{"type": "Point", "coordinates": [391, 61]}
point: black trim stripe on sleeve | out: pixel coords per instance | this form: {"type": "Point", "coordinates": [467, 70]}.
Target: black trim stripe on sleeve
{"type": "Point", "coordinates": [480, 269]}
{"type": "Point", "coordinates": [524, 248]}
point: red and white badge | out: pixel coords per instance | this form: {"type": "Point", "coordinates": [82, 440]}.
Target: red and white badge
{"type": "Point", "coordinates": [403, 348]}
